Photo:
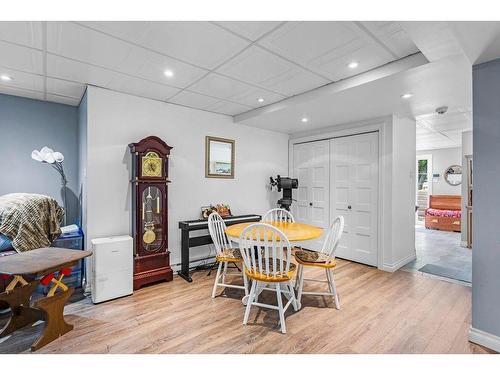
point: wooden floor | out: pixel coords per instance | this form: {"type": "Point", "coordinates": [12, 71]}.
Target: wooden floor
{"type": "Point", "coordinates": [381, 313]}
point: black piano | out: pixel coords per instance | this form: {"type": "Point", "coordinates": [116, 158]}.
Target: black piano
{"type": "Point", "coordinates": [187, 241]}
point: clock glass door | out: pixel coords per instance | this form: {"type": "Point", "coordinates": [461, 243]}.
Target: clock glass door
{"type": "Point", "coordinates": [152, 219]}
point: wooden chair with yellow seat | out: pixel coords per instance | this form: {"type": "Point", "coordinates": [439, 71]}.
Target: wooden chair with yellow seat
{"type": "Point", "coordinates": [323, 259]}
{"type": "Point", "coordinates": [226, 253]}
{"type": "Point", "coordinates": [278, 215]}
{"type": "Point", "coordinates": [267, 256]}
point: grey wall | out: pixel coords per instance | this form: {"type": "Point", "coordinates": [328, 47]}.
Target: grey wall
{"type": "Point", "coordinates": [486, 220]}
{"type": "Point", "coordinates": [82, 161]}
{"type": "Point", "coordinates": [25, 125]}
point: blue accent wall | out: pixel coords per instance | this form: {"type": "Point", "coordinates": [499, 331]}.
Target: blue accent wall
{"type": "Point", "coordinates": [486, 202]}
{"type": "Point", "coordinates": [27, 124]}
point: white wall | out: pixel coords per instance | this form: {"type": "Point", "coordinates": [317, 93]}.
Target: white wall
{"type": "Point", "coordinates": [403, 189]}
{"type": "Point", "coordinates": [115, 120]}
{"type": "Point", "coordinates": [397, 145]}
{"type": "Point", "coordinates": [441, 159]}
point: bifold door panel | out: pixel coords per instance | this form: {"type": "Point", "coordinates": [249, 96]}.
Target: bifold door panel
{"type": "Point", "coordinates": [340, 177]}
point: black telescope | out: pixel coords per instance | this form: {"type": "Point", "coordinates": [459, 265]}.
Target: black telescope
{"type": "Point", "coordinates": [286, 184]}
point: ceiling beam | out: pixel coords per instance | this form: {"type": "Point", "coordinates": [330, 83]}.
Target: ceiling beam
{"type": "Point", "coordinates": [383, 71]}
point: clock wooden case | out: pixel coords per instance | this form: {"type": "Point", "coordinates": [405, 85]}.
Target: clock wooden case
{"type": "Point", "coordinates": [150, 211]}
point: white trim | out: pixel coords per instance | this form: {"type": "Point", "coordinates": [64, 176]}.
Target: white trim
{"type": "Point", "coordinates": [484, 338]}
{"type": "Point", "coordinates": [373, 125]}
{"type": "Point", "coordinates": [396, 266]}
{"type": "Point", "coordinates": [463, 244]}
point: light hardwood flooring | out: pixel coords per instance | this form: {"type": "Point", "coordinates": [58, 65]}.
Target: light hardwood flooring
{"type": "Point", "coordinates": [381, 313]}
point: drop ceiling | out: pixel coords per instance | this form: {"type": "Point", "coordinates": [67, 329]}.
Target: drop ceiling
{"type": "Point", "coordinates": [222, 67]}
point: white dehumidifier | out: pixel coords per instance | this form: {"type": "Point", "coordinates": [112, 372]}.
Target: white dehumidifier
{"type": "Point", "coordinates": [112, 268]}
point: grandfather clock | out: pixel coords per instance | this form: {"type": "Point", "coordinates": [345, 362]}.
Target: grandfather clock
{"type": "Point", "coordinates": [149, 211]}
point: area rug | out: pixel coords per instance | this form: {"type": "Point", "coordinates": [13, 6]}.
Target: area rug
{"type": "Point", "coordinates": [450, 273]}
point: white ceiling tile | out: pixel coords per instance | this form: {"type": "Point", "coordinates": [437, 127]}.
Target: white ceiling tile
{"type": "Point", "coordinates": [195, 100]}
{"type": "Point", "coordinates": [252, 30]}
{"type": "Point", "coordinates": [20, 58]}
{"type": "Point", "coordinates": [140, 87]}
{"type": "Point", "coordinates": [393, 36]}
{"type": "Point", "coordinates": [22, 80]}
{"type": "Point", "coordinates": [65, 88]}
{"type": "Point", "coordinates": [9, 90]}
{"type": "Point", "coordinates": [80, 43]}
{"type": "Point", "coordinates": [200, 43]}
{"type": "Point", "coordinates": [264, 69]}
{"type": "Point", "coordinates": [327, 47]}
{"type": "Point", "coordinates": [155, 65]}
{"type": "Point", "coordinates": [235, 91]}
{"type": "Point", "coordinates": [25, 33]}
{"type": "Point", "coordinates": [229, 108]}
{"type": "Point", "coordinates": [63, 99]}
{"type": "Point", "coordinates": [60, 67]}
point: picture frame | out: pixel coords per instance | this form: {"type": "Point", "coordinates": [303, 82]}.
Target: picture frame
{"type": "Point", "coordinates": [219, 157]}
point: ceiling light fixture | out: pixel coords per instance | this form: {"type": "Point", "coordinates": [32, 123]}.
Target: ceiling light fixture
{"type": "Point", "coordinates": [304, 119]}
{"type": "Point", "coordinates": [5, 77]}
{"type": "Point", "coordinates": [406, 96]}
{"type": "Point", "coordinates": [353, 65]}
{"type": "Point", "coordinates": [260, 100]}
{"type": "Point", "coordinates": [168, 73]}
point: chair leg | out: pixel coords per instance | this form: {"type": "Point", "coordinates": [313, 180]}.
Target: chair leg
{"type": "Point", "coordinates": [224, 273]}
{"type": "Point", "coordinates": [297, 278]}
{"type": "Point", "coordinates": [295, 304]}
{"type": "Point", "coordinates": [245, 279]}
{"type": "Point", "coordinates": [280, 308]}
{"type": "Point", "coordinates": [334, 290]}
{"type": "Point", "coordinates": [216, 280]}
{"type": "Point", "coordinates": [249, 302]}
{"type": "Point", "coordinates": [301, 286]}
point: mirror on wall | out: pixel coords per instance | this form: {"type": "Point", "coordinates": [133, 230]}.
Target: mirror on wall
{"type": "Point", "coordinates": [219, 157]}
{"type": "Point", "coordinates": [453, 175]}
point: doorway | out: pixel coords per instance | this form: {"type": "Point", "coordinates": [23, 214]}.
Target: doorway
{"type": "Point", "coordinates": [424, 186]}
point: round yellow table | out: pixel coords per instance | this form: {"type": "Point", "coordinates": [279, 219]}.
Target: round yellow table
{"type": "Point", "coordinates": [293, 231]}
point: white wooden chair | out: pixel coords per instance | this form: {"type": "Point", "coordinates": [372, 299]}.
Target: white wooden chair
{"type": "Point", "coordinates": [226, 253]}
{"type": "Point", "coordinates": [267, 254]}
{"type": "Point", "coordinates": [323, 259]}
{"type": "Point", "coordinates": [278, 215]}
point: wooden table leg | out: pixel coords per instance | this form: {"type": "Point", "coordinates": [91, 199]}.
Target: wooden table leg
{"type": "Point", "coordinates": [19, 301]}
{"type": "Point", "coordinates": [53, 311]}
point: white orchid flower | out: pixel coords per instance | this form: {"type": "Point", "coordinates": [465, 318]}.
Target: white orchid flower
{"type": "Point", "coordinates": [59, 157]}
{"type": "Point", "coordinates": [49, 158]}
{"type": "Point", "coordinates": [35, 155]}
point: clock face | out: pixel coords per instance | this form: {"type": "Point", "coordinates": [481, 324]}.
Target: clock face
{"type": "Point", "coordinates": [151, 165]}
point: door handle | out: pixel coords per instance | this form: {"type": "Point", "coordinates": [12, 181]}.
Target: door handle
{"type": "Point", "coordinates": [310, 204]}
{"type": "Point", "coordinates": [349, 207]}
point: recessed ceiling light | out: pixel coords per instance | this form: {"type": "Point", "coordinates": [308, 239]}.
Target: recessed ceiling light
{"type": "Point", "coordinates": [406, 96]}
{"type": "Point", "coordinates": [5, 77]}
{"type": "Point", "coordinates": [353, 64]}
{"type": "Point", "coordinates": [260, 100]}
{"type": "Point", "coordinates": [168, 73]}
{"type": "Point", "coordinates": [304, 119]}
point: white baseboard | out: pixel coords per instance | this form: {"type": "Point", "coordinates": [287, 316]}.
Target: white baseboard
{"type": "Point", "coordinates": [484, 338]}
{"type": "Point", "coordinates": [396, 266]}
{"type": "Point", "coordinates": [463, 243]}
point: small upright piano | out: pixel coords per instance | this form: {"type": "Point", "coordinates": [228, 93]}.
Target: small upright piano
{"type": "Point", "coordinates": [191, 225]}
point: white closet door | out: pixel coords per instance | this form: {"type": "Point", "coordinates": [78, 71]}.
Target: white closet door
{"type": "Point", "coordinates": [302, 155]}
{"type": "Point", "coordinates": [311, 167]}
{"type": "Point", "coordinates": [354, 181]}
{"type": "Point", "coordinates": [340, 192]}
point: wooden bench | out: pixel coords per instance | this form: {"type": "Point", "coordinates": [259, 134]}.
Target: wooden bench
{"type": "Point", "coordinates": [46, 265]}
{"type": "Point", "coordinates": [444, 203]}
